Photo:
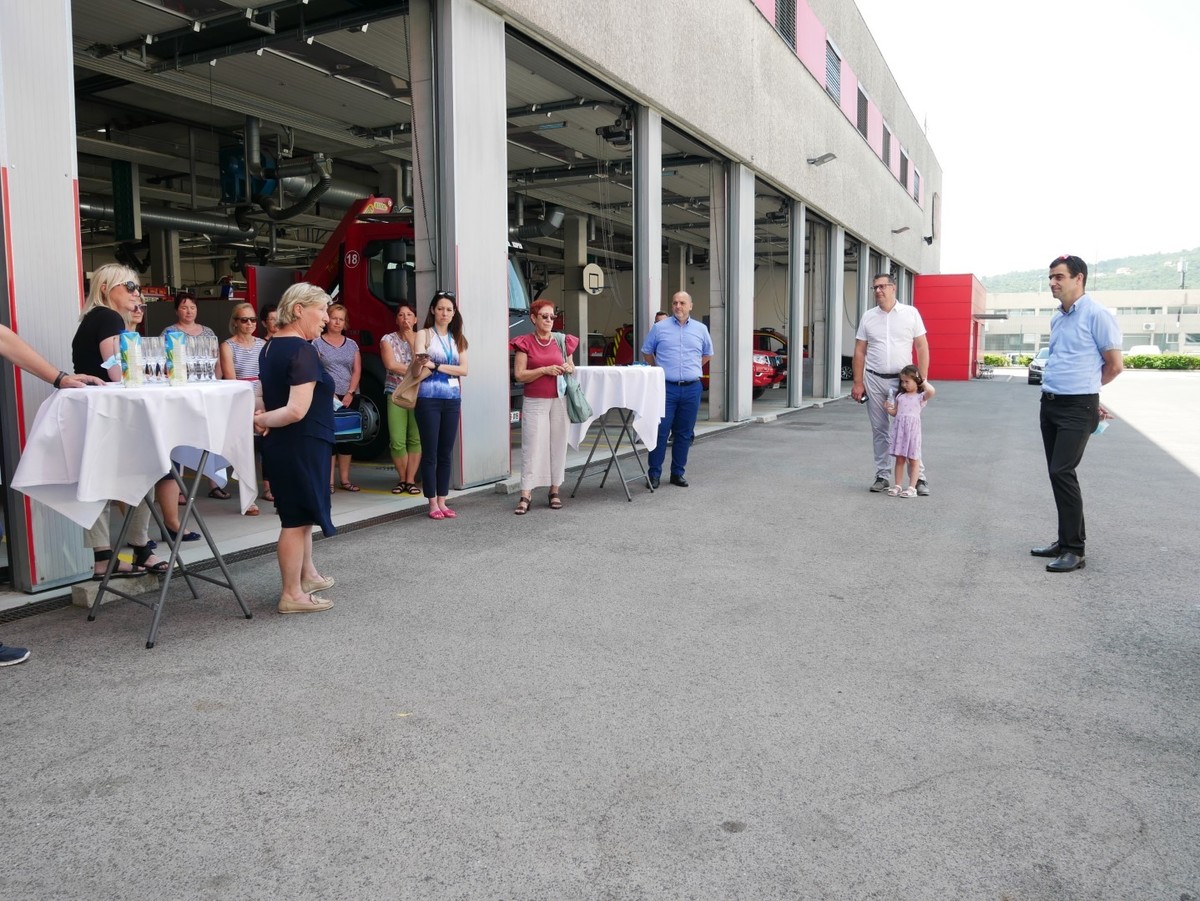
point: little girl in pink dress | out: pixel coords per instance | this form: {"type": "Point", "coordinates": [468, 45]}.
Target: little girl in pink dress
{"type": "Point", "coordinates": [905, 444]}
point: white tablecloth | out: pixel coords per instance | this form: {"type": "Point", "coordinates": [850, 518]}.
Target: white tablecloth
{"type": "Point", "coordinates": [90, 445]}
{"type": "Point", "coordinates": [642, 389]}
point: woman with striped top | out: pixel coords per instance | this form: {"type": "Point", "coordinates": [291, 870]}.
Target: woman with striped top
{"type": "Point", "coordinates": [239, 360]}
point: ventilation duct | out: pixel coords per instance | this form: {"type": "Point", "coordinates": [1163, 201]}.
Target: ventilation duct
{"type": "Point", "coordinates": [550, 222]}
{"type": "Point", "coordinates": [175, 220]}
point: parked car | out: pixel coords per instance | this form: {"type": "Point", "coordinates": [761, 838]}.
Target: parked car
{"type": "Point", "coordinates": [1037, 364]}
{"type": "Point", "coordinates": [768, 366]}
{"type": "Point", "coordinates": [1144, 350]}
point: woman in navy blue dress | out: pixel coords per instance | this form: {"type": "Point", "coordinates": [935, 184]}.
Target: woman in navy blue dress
{"type": "Point", "coordinates": [297, 447]}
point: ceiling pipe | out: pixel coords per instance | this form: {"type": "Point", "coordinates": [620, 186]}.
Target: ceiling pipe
{"type": "Point", "coordinates": [319, 166]}
{"type": "Point", "coordinates": [543, 228]}
{"type": "Point", "coordinates": [175, 220]}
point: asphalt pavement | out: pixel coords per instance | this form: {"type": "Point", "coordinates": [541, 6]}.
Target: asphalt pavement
{"type": "Point", "coordinates": [772, 684]}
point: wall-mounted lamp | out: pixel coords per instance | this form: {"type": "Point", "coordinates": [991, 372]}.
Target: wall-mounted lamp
{"type": "Point", "coordinates": [899, 231]}
{"type": "Point", "coordinates": [929, 240]}
{"type": "Point", "coordinates": [822, 159]}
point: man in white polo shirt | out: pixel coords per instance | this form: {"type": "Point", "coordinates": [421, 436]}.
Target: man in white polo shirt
{"type": "Point", "coordinates": [884, 344]}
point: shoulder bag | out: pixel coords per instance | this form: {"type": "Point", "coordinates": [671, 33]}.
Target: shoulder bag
{"type": "Point", "coordinates": [405, 394]}
{"type": "Point", "coordinates": [578, 408]}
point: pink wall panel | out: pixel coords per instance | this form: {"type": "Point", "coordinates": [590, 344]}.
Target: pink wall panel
{"type": "Point", "coordinates": [810, 41]}
{"type": "Point", "coordinates": [849, 102]}
{"type": "Point", "coordinates": [767, 8]}
{"type": "Point", "coordinates": [875, 128]}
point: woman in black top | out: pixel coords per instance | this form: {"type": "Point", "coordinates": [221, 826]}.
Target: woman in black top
{"type": "Point", "coordinates": [114, 295]}
{"type": "Point", "coordinates": [297, 446]}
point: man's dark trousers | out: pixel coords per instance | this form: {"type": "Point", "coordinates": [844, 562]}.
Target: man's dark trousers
{"type": "Point", "coordinates": [1067, 423]}
{"type": "Point", "coordinates": [683, 406]}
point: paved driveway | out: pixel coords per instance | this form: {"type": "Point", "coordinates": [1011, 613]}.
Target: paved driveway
{"type": "Point", "coordinates": [772, 684]}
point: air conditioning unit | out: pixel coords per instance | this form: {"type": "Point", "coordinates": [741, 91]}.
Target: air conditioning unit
{"type": "Point", "coordinates": [1147, 326]}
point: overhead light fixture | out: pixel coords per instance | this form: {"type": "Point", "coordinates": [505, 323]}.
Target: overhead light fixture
{"type": "Point", "coordinates": [822, 159]}
{"type": "Point", "coordinates": [899, 231]}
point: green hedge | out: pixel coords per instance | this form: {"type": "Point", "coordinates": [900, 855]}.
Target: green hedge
{"type": "Point", "coordinates": [1163, 361]}
{"type": "Point", "coordinates": [995, 360]}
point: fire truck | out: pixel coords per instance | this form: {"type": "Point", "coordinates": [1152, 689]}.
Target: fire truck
{"type": "Point", "coordinates": [368, 265]}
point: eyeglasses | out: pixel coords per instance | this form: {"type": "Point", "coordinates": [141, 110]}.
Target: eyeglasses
{"type": "Point", "coordinates": [880, 287]}
{"type": "Point", "coordinates": [131, 287]}
{"type": "Point", "coordinates": [244, 319]}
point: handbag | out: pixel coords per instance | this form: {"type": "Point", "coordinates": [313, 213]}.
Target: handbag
{"type": "Point", "coordinates": [405, 395]}
{"type": "Point", "coordinates": [578, 408]}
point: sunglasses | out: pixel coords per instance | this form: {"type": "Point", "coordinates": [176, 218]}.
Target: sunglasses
{"type": "Point", "coordinates": [441, 294]}
{"type": "Point", "coordinates": [131, 287]}
{"type": "Point", "coordinates": [244, 319]}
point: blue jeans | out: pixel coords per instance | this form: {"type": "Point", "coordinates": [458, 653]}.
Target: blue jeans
{"type": "Point", "coordinates": [683, 406]}
{"type": "Point", "coordinates": [437, 421]}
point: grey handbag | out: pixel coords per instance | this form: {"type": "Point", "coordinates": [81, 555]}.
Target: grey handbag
{"type": "Point", "coordinates": [578, 408]}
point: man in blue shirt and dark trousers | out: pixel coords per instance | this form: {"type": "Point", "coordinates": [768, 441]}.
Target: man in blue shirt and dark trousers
{"type": "Point", "coordinates": [681, 346]}
{"type": "Point", "coordinates": [1085, 353]}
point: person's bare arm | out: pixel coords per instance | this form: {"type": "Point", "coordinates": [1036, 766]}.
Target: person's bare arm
{"type": "Point", "coordinates": [922, 346]}
{"type": "Point", "coordinates": [859, 365]}
{"type": "Point", "coordinates": [1114, 365]}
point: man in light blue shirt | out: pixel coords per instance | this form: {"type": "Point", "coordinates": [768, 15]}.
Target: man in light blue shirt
{"type": "Point", "coordinates": [1085, 353]}
{"type": "Point", "coordinates": [681, 346]}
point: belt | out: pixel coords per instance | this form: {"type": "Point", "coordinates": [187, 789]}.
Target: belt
{"type": "Point", "coordinates": [885, 375]}
{"type": "Point", "coordinates": [1047, 396]}
{"type": "Point", "coordinates": [683, 384]}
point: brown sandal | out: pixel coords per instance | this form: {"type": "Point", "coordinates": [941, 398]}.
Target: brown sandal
{"type": "Point", "coordinates": [522, 507]}
{"type": "Point", "coordinates": [554, 501]}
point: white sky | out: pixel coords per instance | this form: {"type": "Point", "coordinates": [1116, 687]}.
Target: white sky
{"type": "Point", "coordinates": [1061, 126]}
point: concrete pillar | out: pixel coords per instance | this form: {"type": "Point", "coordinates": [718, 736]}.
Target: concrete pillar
{"type": "Point", "coordinates": [165, 266]}
{"type": "Point", "coordinates": [834, 317]}
{"type": "Point", "coordinates": [676, 272]}
{"type": "Point", "coordinates": [575, 301]}
{"type": "Point", "coordinates": [425, 163]}
{"type": "Point", "coordinates": [647, 222]}
{"type": "Point", "coordinates": [718, 288]}
{"type": "Point", "coordinates": [473, 205]}
{"type": "Point", "coordinates": [41, 268]}
{"type": "Point", "coordinates": [797, 226]}
{"type": "Point", "coordinates": [739, 318]}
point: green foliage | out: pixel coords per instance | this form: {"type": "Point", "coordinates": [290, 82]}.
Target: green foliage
{"type": "Point", "coordinates": [995, 360]}
{"type": "Point", "coordinates": [1163, 361]}
{"type": "Point", "coordinates": [1153, 272]}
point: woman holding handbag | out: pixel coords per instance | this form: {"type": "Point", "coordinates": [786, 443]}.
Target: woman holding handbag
{"type": "Point", "coordinates": [396, 349]}
{"type": "Point", "coordinates": [441, 349]}
{"type": "Point", "coordinates": [541, 359]}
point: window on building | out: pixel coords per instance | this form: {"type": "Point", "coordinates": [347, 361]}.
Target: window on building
{"type": "Point", "coordinates": [903, 169]}
{"type": "Point", "coordinates": [833, 72]}
{"type": "Point", "coordinates": [1192, 338]}
{"type": "Point", "coordinates": [887, 147]}
{"type": "Point", "coordinates": [785, 21]}
{"type": "Point", "coordinates": [862, 113]}
{"type": "Point", "coordinates": [916, 184]}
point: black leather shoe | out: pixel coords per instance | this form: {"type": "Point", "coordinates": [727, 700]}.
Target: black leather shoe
{"type": "Point", "coordinates": [1050, 550]}
{"type": "Point", "coordinates": [679, 480]}
{"type": "Point", "coordinates": [1066, 562]}
{"type": "Point", "coordinates": [652, 481]}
